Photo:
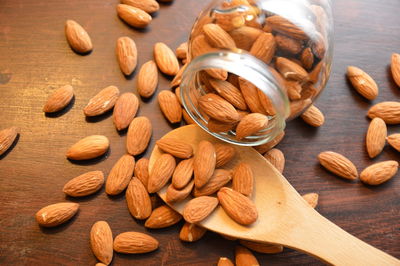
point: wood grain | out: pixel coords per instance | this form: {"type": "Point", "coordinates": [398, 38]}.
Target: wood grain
{"type": "Point", "coordinates": [35, 59]}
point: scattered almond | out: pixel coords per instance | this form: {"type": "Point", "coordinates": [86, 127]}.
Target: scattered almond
{"type": "Point", "coordinates": [379, 173]}
{"type": "Point", "coordinates": [338, 164]}
{"type": "Point", "coordinates": [362, 82]}
{"type": "Point", "coordinates": [88, 148]}
{"type": "Point", "coordinates": [176, 195]}
{"type": "Point", "coordinates": [181, 51]}
{"type": "Point", "coordinates": [126, 54]}
{"type": "Point", "coordinates": [134, 243]}
{"type": "Point", "coordinates": [120, 175]}
{"type": "Point", "coordinates": [204, 163]}
{"type": "Point", "coordinates": [376, 137]}
{"type": "Point", "coordinates": [395, 67]}
{"type": "Point", "coordinates": [170, 106]}
{"type": "Point", "coordinates": [7, 138]}
{"type": "Point", "coordinates": [59, 99]}
{"type": "Point", "coordinates": [149, 6]}
{"type": "Point", "coordinates": [138, 200]}
{"type": "Point", "coordinates": [102, 101]}
{"type": "Point", "coordinates": [77, 37]}
{"type": "Point", "coordinates": [312, 199]}
{"type": "Point", "coordinates": [101, 241]}
{"type": "Point", "coordinates": [250, 125]}
{"type": "Point", "coordinates": [262, 247]}
{"type": "Point", "coordinates": [244, 257]}
{"type": "Point", "coordinates": [85, 184]}
{"type": "Point", "coordinates": [388, 111]}
{"type": "Point", "coordinates": [224, 154]}
{"type": "Point", "coordinates": [56, 214]}
{"type": "Point", "coordinates": [161, 172]}
{"type": "Point", "coordinates": [219, 179]}
{"type": "Point", "coordinates": [125, 110]}
{"type": "Point", "coordinates": [394, 141]}
{"type": "Point", "coordinates": [218, 108]}
{"type": "Point", "coordinates": [133, 16]}
{"type": "Point", "coordinates": [276, 158]}
{"type": "Point", "coordinates": [199, 208]}
{"type": "Point", "coordinates": [147, 79]}
{"type": "Point", "coordinates": [313, 116]}
{"type": "Point", "coordinates": [139, 134]}
{"type": "Point", "coordinates": [142, 171]}
{"type": "Point", "coordinates": [162, 217]}
{"type": "Point", "coordinates": [191, 232]}
{"type": "Point", "coordinates": [183, 173]}
{"type": "Point", "coordinates": [166, 59]}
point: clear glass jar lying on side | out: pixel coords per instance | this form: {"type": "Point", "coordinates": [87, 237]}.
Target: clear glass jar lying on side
{"type": "Point", "coordinates": [254, 64]}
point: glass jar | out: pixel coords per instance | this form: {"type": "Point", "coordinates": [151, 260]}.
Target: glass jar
{"type": "Point", "coordinates": [255, 64]}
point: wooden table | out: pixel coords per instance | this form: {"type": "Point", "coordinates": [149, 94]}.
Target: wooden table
{"type": "Point", "coordinates": [35, 58]}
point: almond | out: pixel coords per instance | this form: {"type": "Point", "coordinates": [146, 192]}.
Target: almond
{"type": "Point", "coordinates": [133, 16]}
{"type": "Point", "coordinates": [394, 141]}
{"type": "Point", "coordinates": [85, 184]}
{"type": "Point", "coordinates": [183, 173]}
{"type": "Point", "coordinates": [282, 25]}
{"type": "Point", "coordinates": [188, 119]}
{"type": "Point", "coordinates": [244, 257]}
{"type": "Point", "coordinates": [56, 214]}
{"type": "Point", "coordinates": [178, 95]}
{"type": "Point", "coordinates": [102, 101]}
{"type": "Point", "coordinates": [230, 21]}
{"type": "Point", "coordinates": [388, 111]}
{"type": "Point", "coordinates": [224, 154]}
{"type": "Point", "coordinates": [181, 51]}
{"type": "Point", "coordinates": [170, 106]}
{"type": "Point", "coordinates": [291, 70]}
{"type": "Point", "coordinates": [239, 207]}
{"type": "Point", "coordinates": [120, 175]}
{"type": "Point", "coordinates": [204, 163]}
{"type": "Point", "coordinates": [338, 164]}
{"type": "Point", "coordinates": [307, 58]}
{"type": "Point", "coordinates": [147, 79]}
{"type": "Point", "coordinates": [191, 232]}
{"type": "Point", "coordinates": [200, 46]}
{"type": "Point", "coordinates": [224, 262]}
{"type": "Point", "coordinates": [297, 106]}
{"type": "Point", "coordinates": [161, 172]}
{"type": "Point", "coordinates": [138, 200]}
{"type": "Point", "coordinates": [149, 6]}
{"type": "Point", "coordinates": [59, 99]}
{"type": "Point", "coordinates": [125, 110]}
{"type": "Point", "coordinates": [218, 108]}
{"type": "Point", "coordinates": [379, 173]}
{"type": "Point", "coordinates": [316, 73]}
{"type": "Point", "coordinates": [134, 243]}
{"type": "Point", "coordinates": [266, 103]}
{"type": "Point", "coordinates": [88, 148]}
{"type": "Point", "coordinates": [313, 116]}
{"type": "Point", "coordinates": [162, 217]}
{"type": "Point", "coordinates": [276, 158]}
{"type": "Point", "coordinates": [101, 241]}
{"type": "Point", "coordinates": [126, 54]}
{"type": "Point", "coordinates": [250, 125]}
{"type": "Point", "coordinates": [362, 82]}
{"type": "Point", "coordinates": [243, 179]}
{"type": "Point", "coordinates": [139, 134]}
{"type": "Point", "coordinates": [142, 171]}
{"type": "Point", "coordinates": [77, 37]}
{"type": "Point", "coordinates": [264, 47]}
{"type": "Point", "coordinates": [250, 94]}
{"type": "Point", "coordinates": [244, 37]}
{"type": "Point", "coordinates": [166, 59]}
{"type": "Point", "coordinates": [376, 137]}
{"type": "Point", "coordinates": [7, 138]}
{"type": "Point", "coordinates": [176, 81]}
{"type": "Point", "coordinates": [229, 93]}
{"type": "Point", "coordinates": [219, 179]}
{"type": "Point", "coordinates": [262, 247]}
{"type": "Point", "coordinates": [217, 126]}
{"type": "Point", "coordinates": [175, 195]}
{"type": "Point", "coordinates": [312, 199]}
{"type": "Point", "coordinates": [263, 148]}
{"type": "Point", "coordinates": [288, 44]}
{"type": "Point", "coordinates": [217, 37]}
{"type": "Point", "coordinates": [395, 67]}
{"type": "Point", "coordinates": [197, 209]}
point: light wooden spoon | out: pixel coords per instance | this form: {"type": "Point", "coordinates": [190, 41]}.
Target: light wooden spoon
{"type": "Point", "coordinates": [283, 216]}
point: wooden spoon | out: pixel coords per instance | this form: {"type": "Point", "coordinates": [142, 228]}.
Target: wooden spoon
{"type": "Point", "coordinates": [283, 216]}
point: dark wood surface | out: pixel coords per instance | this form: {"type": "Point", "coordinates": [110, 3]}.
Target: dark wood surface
{"type": "Point", "coordinates": [35, 58]}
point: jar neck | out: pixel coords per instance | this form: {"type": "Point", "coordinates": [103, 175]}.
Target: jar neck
{"type": "Point", "coordinates": [247, 67]}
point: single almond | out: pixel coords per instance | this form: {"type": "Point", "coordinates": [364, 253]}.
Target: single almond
{"type": "Point", "coordinates": [77, 37]}
{"type": "Point", "coordinates": [388, 111]}
{"type": "Point", "coordinates": [250, 125]}
{"type": "Point", "coordinates": [182, 50]}
{"type": "Point", "coordinates": [239, 207]}
{"type": "Point", "coordinates": [229, 93]}
{"type": "Point", "coordinates": [264, 47]}
{"type": "Point", "coordinates": [183, 173]}
{"type": "Point", "coordinates": [394, 141]}
{"type": "Point", "coordinates": [243, 180]}
{"type": "Point", "coordinates": [162, 217]}
{"type": "Point", "coordinates": [191, 232]}
{"type": "Point", "coordinates": [200, 46]}
{"type": "Point", "coordinates": [134, 243]}
{"type": "Point", "coordinates": [313, 116]}
{"type": "Point", "coordinates": [297, 106]}
{"type": "Point", "coordinates": [283, 25]}
{"type": "Point", "coordinates": [266, 103]}
{"type": "Point", "coordinates": [219, 179]}
{"type": "Point", "coordinates": [218, 37]}
{"type": "Point", "coordinates": [291, 70]}
{"type": "Point", "coordinates": [126, 54]}
{"type": "Point", "coordinates": [338, 164]}
{"type": "Point", "coordinates": [88, 148]}
{"type": "Point", "coordinates": [56, 214]}
{"type": "Point", "coordinates": [120, 175]}
{"type": "Point", "coordinates": [231, 20]}
{"type": "Point", "coordinates": [166, 59]}
{"type": "Point", "coordinates": [218, 108]}
{"type": "Point", "coordinates": [312, 199]}
{"type": "Point", "coordinates": [59, 99]}
{"type": "Point", "coordinates": [376, 137]}
{"type": "Point", "coordinates": [138, 200]}
{"type": "Point", "coordinates": [379, 173]}
{"type": "Point", "coordinates": [149, 6]}
{"type": "Point", "coordinates": [250, 94]}
{"type": "Point", "coordinates": [139, 134]}
{"type": "Point", "coordinates": [170, 106]}
{"type": "Point", "coordinates": [101, 241]}
{"type": "Point", "coordinates": [102, 101]}
{"type": "Point", "coordinates": [141, 171]}
{"type": "Point", "coordinates": [307, 58]}
{"type": "Point", "coordinates": [7, 138]}
{"type": "Point", "coordinates": [276, 158]}
{"type": "Point", "coordinates": [147, 79]}
{"type": "Point", "coordinates": [217, 126]}
{"type": "Point", "coordinates": [133, 16]}
{"type": "Point", "coordinates": [161, 172]}
{"type": "Point", "coordinates": [224, 154]}
{"type": "Point", "coordinates": [244, 37]}
{"type": "Point", "coordinates": [197, 209]}
{"type": "Point", "coordinates": [85, 184]}
{"type": "Point", "coordinates": [244, 256]}
{"type": "Point", "coordinates": [223, 261]}
{"type": "Point", "coordinates": [262, 247]}
{"type": "Point", "coordinates": [362, 82]}
{"type": "Point", "coordinates": [125, 110]}
{"type": "Point", "coordinates": [287, 44]}
{"type": "Point", "coordinates": [395, 68]}
{"type": "Point", "coordinates": [204, 163]}
{"type": "Point", "coordinates": [176, 195]}
{"type": "Point", "coordinates": [263, 148]}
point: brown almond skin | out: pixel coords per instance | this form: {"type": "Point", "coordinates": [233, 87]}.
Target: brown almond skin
{"type": "Point", "coordinates": [125, 110]}
{"type": "Point", "coordinates": [250, 94]}
{"type": "Point", "coordinates": [170, 106]}
{"type": "Point", "coordinates": [101, 241]}
{"type": "Point", "coordinates": [7, 138]}
{"type": "Point", "coordinates": [183, 173]}
{"type": "Point", "coordinates": [59, 99]}
{"type": "Point", "coordinates": [88, 148]}
{"type": "Point", "coordinates": [218, 108]}
{"type": "Point", "coordinates": [245, 36]}
{"type": "Point", "coordinates": [224, 153]}
{"type": "Point", "coordinates": [85, 184]}
{"type": "Point", "coordinates": [175, 147]}
{"type": "Point", "coordinates": [262, 247]}
{"type": "Point", "coordinates": [219, 179]}
{"type": "Point", "coordinates": [224, 262]}
{"type": "Point", "coordinates": [77, 37]}
{"type": "Point", "coordinates": [147, 79]}
{"type": "Point", "coordinates": [142, 171]}
{"type": "Point", "coordinates": [175, 195]}
{"type": "Point", "coordinates": [264, 47]}
{"type": "Point", "coordinates": [162, 217]}
{"type": "Point", "coordinates": [56, 214]}
{"type": "Point", "coordinates": [126, 55]}
{"type": "Point", "coordinates": [312, 199]}
{"type": "Point", "coordinates": [276, 158]}
{"type": "Point", "coordinates": [395, 68]}
{"type": "Point", "coordinates": [199, 208]}
{"type": "Point", "coordinates": [362, 82]}
{"type": "Point", "coordinates": [191, 232]}
{"type": "Point", "coordinates": [291, 70]}
{"type": "Point", "coordinates": [229, 93]}
{"type": "Point", "coordinates": [218, 37]}
{"type": "Point", "coordinates": [161, 172]}
{"type": "Point", "coordinates": [307, 58]}
{"type": "Point", "coordinates": [135, 17]}
{"type": "Point", "coordinates": [134, 243]}
{"type": "Point", "coordinates": [166, 59]}
{"type": "Point", "coordinates": [149, 6]}
{"type": "Point", "coordinates": [102, 101]}
{"type": "Point", "coordinates": [139, 134]}
{"type": "Point", "coordinates": [282, 25]}
{"type": "Point", "coordinates": [120, 175]}
{"type": "Point", "coordinates": [263, 148]}
{"type": "Point", "coordinates": [250, 125]}
{"type": "Point", "coordinates": [288, 44]}
{"type": "Point", "coordinates": [243, 179]}
{"type": "Point", "coordinates": [138, 200]}
{"type": "Point", "coordinates": [181, 51]}
{"type": "Point", "coordinates": [204, 163]}
{"type": "Point", "coordinates": [376, 137]}
{"type": "Point", "coordinates": [379, 173]}
{"type": "Point", "coordinates": [239, 207]}
{"type": "Point", "coordinates": [338, 164]}
{"type": "Point", "coordinates": [388, 111]}
{"type": "Point", "coordinates": [313, 116]}
{"type": "Point", "coordinates": [244, 257]}
{"type": "Point", "coordinates": [394, 141]}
